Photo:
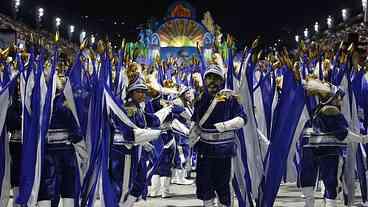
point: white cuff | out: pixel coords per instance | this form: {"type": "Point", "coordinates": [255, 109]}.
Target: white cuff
{"type": "Point", "coordinates": [163, 113]}
{"type": "Point", "coordinates": [148, 147]}
{"type": "Point", "coordinates": [145, 135]}
{"type": "Point", "coordinates": [232, 124]}
{"type": "Point", "coordinates": [354, 137]}
{"type": "Point", "coordinates": [177, 125]}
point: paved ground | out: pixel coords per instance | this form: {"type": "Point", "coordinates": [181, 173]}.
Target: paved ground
{"type": "Point", "coordinates": [288, 196]}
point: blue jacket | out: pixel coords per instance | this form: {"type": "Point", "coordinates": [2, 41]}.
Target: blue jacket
{"type": "Point", "coordinates": [14, 115]}
{"type": "Point", "coordinates": [335, 125]}
{"type": "Point", "coordinates": [223, 111]}
{"type": "Point", "coordinates": [62, 118]}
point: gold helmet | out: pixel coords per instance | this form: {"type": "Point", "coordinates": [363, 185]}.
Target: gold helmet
{"type": "Point", "coordinates": [168, 83]}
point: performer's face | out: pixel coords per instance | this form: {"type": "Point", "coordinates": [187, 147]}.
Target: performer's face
{"type": "Point", "coordinates": [214, 83]}
{"type": "Point", "coordinates": [189, 96]}
{"type": "Point", "coordinates": [138, 96]}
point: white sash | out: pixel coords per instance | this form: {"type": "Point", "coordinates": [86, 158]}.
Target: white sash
{"type": "Point", "coordinates": [208, 112]}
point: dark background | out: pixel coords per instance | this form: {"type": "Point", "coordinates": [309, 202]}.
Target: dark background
{"type": "Point", "coordinates": [245, 19]}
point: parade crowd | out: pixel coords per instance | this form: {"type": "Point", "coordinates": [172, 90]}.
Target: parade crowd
{"type": "Point", "coordinates": [119, 125]}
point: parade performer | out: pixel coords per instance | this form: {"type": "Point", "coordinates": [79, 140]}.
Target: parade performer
{"type": "Point", "coordinates": [324, 137]}
{"type": "Point", "coordinates": [217, 114]}
{"type": "Point", "coordinates": [182, 111]}
{"type": "Point", "coordinates": [10, 124]}
{"type": "Point", "coordinates": [128, 159]}
{"type": "Point", "coordinates": [161, 179]}
{"type": "Point", "coordinates": [60, 173]}
{"type": "Point", "coordinates": [14, 126]}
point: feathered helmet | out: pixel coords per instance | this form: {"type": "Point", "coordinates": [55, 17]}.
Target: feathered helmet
{"type": "Point", "coordinates": [168, 83]}
{"type": "Point", "coordinates": [135, 79]}
{"type": "Point", "coordinates": [183, 90]}
{"type": "Point", "coordinates": [138, 84]}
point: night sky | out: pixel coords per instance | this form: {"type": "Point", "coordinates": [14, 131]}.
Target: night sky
{"type": "Point", "coordinates": [245, 19]}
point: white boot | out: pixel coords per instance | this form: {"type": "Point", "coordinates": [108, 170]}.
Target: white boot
{"type": "Point", "coordinates": [155, 186]}
{"type": "Point", "coordinates": [68, 202]}
{"type": "Point", "coordinates": [308, 193]}
{"type": "Point", "coordinates": [323, 188]}
{"type": "Point", "coordinates": [165, 187]}
{"type": "Point", "coordinates": [222, 205]}
{"type": "Point", "coordinates": [209, 203]}
{"type": "Point", "coordinates": [182, 180]}
{"type": "Point", "coordinates": [174, 176]}
{"type": "Point", "coordinates": [15, 195]}
{"type": "Point", "coordinates": [129, 201]}
{"type": "Point", "coordinates": [46, 203]}
{"type": "Point", "coordinates": [364, 204]}
{"type": "Point", "coordinates": [331, 203]}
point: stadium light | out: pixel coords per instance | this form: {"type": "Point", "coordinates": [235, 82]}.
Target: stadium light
{"type": "Point", "coordinates": [71, 31]}
{"type": "Point", "coordinates": [16, 8]}
{"type": "Point", "coordinates": [57, 22]}
{"type": "Point", "coordinates": [316, 27]}
{"type": "Point", "coordinates": [306, 33]}
{"type": "Point", "coordinates": [16, 5]}
{"type": "Point", "coordinates": [345, 14]}
{"type": "Point", "coordinates": [364, 5]}
{"type": "Point", "coordinates": [93, 39]}
{"type": "Point", "coordinates": [40, 14]}
{"type": "Point", "coordinates": [329, 22]}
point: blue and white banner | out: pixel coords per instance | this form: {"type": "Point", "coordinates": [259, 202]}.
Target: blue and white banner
{"type": "Point", "coordinates": [282, 134]}
{"type": "Point", "coordinates": [247, 165]}
{"type": "Point", "coordinates": [4, 149]}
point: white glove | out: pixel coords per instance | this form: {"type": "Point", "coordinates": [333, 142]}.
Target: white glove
{"type": "Point", "coordinates": [145, 135]}
{"type": "Point", "coordinates": [220, 126]}
{"type": "Point", "coordinates": [232, 124]}
{"type": "Point", "coordinates": [177, 125]}
{"type": "Point", "coordinates": [353, 137]}
{"type": "Point", "coordinates": [148, 147]}
{"type": "Point", "coordinates": [163, 113]}
{"type": "Point", "coordinates": [317, 86]}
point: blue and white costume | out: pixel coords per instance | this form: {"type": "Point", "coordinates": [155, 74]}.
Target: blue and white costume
{"type": "Point", "coordinates": [128, 159]}
{"type": "Point", "coordinates": [215, 119]}
{"type": "Point", "coordinates": [60, 174]}
{"type": "Point", "coordinates": [182, 113]}
{"type": "Point", "coordinates": [161, 179]}
{"type": "Point", "coordinates": [322, 158]}
{"type": "Point", "coordinates": [14, 126]}
{"type": "Point", "coordinates": [323, 140]}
